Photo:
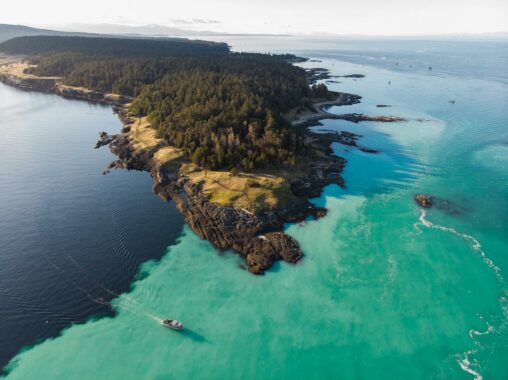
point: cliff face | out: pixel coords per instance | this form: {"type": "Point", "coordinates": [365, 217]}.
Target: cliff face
{"type": "Point", "coordinates": [258, 238]}
{"type": "Point", "coordinates": [34, 84]}
{"type": "Point", "coordinates": [53, 85]}
{"type": "Point", "coordinates": [89, 96]}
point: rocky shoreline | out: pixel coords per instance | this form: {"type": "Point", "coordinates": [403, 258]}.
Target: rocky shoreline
{"type": "Point", "coordinates": [256, 236]}
{"type": "Point", "coordinates": [54, 86]}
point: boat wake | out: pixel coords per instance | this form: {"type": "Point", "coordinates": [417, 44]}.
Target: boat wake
{"type": "Point", "coordinates": [123, 301]}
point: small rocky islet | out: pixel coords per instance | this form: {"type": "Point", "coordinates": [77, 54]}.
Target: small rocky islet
{"type": "Point", "coordinates": [424, 200]}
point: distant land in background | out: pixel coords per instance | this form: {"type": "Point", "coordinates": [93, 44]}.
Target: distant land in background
{"type": "Point", "coordinates": [11, 31]}
{"type": "Point", "coordinates": [154, 30]}
{"type": "Point", "coordinates": [93, 30]}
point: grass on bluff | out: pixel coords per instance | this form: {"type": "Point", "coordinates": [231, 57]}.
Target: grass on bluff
{"type": "Point", "coordinates": [250, 191]}
{"type": "Point", "coordinates": [13, 65]}
{"type": "Point", "coordinates": [144, 137]}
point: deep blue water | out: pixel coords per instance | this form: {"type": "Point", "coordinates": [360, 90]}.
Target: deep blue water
{"type": "Point", "coordinates": [65, 228]}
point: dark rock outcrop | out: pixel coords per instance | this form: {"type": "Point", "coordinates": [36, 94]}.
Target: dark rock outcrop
{"type": "Point", "coordinates": [104, 139]}
{"type": "Point", "coordinates": [358, 117]}
{"type": "Point", "coordinates": [424, 200]}
{"type": "Point", "coordinates": [343, 137]}
{"type": "Point", "coordinates": [322, 173]}
{"type": "Point", "coordinates": [352, 76]}
{"type": "Point", "coordinates": [265, 249]}
{"type": "Point", "coordinates": [318, 73]}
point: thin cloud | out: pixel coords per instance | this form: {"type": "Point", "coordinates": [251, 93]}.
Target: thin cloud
{"type": "Point", "coordinates": [194, 21]}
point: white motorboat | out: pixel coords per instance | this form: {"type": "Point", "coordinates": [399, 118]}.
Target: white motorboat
{"type": "Point", "coordinates": [173, 324]}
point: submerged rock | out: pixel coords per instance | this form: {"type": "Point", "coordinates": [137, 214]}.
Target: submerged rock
{"type": "Point", "coordinates": [358, 117]}
{"type": "Point", "coordinates": [424, 200]}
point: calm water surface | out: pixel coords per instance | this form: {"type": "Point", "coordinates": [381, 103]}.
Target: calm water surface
{"type": "Point", "coordinates": [66, 231]}
{"type": "Point", "coordinates": [384, 290]}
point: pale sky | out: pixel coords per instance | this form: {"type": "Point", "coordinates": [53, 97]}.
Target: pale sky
{"type": "Point", "coordinates": [370, 17]}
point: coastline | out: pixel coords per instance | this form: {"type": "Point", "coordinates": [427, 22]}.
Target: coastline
{"type": "Point", "coordinates": [381, 278]}
{"type": "Point", "coordinates": [254, 229]}
{"type": "Point", "coordinates": [255, 234]}
{"type": "Point", "coordinates": [11, 74]}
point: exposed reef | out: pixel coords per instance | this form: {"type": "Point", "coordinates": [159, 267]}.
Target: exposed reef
{"type": "Point", "coordinates": [351, 76]}
{"type": "Point", "coordinates": [342, 137]}
{"type": "Point", "coordinates": [311, 118]}
{"type": "Point", "coordinates": [318, 73]}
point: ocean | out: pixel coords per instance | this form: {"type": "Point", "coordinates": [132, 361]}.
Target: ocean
{"type": "Point", "coordinates": [385, 290]}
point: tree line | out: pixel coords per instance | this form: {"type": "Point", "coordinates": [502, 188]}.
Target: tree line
{"type": "Point", "coordinates": [223, 109]}
{"type": "Point", "coordinates": [117, 47]}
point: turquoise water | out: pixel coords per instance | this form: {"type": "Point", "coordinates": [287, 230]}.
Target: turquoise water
{"type": "Point", "coordinates": [384, 291]}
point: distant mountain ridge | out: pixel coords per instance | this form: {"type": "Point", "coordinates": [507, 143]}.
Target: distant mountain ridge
{"type": "Point", "coordinates": [8, 31]}
{"type": "Point", "coordinates": [155, 30]}
{"type": "Point", "coordinates": [151, 30]}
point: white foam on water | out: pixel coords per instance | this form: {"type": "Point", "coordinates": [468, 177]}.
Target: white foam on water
{"type": "Point", "coordinates": [465, 364]}
{"type": "Point", "coordinates": [471, 365]}
{"type": "Point", "coordinates": [392, 267]}
{"type": "Point", "coordinates": [473, 332]}
{"type": "Point", "coordinates": [475, 243]}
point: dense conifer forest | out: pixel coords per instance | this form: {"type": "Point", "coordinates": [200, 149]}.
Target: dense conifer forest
{"type": "Point", "coordinates": [223, 109]}
{"type": "Point", "coordinates": [118, 47]}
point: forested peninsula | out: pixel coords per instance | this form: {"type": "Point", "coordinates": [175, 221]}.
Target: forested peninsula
{"type": "Point", "coordinates": [223, 134]}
